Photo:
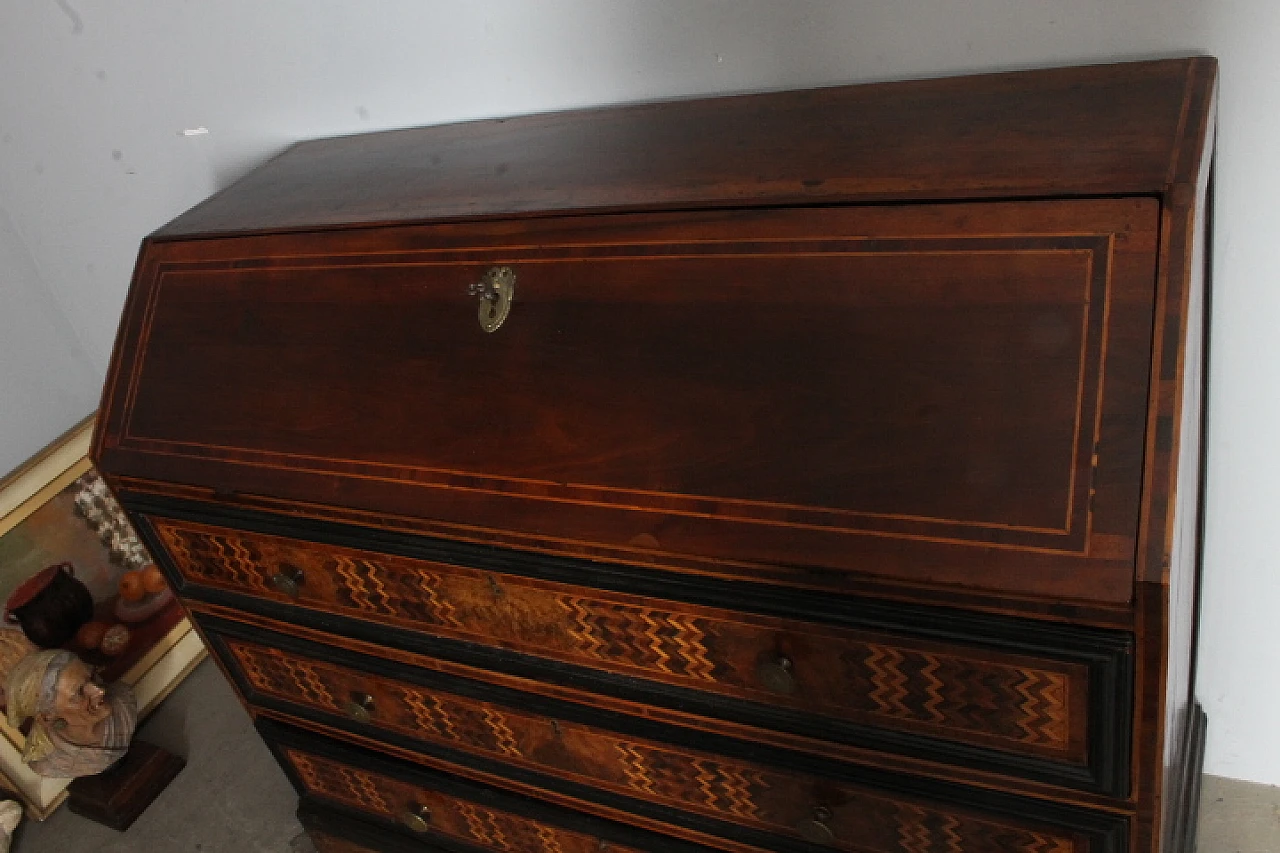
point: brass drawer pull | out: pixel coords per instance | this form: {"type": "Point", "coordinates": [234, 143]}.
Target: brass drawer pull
{"type": "Point", "coordinates": [496, 290]}
{"type": "Point", "coordinates": [777, 674]}
{"type": "Point", "coordinates": [815, 829]}
{"type": "Point", "coordinates": [359, 707]}
{"type": "Point", "coordinates": [288, 581]}
{"type": "Point", "coordinates": [416, 817]}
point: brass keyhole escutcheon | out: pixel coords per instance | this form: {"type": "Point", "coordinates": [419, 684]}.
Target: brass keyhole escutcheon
{"type": "Point", "coordinates": [416, 817]}
{"type": "Point", "coordinates": [815, 829]}
{"type": "Point", "coordinates": [359, 707]}
{"type": "Point", "coordinates": [777, 674]}
{"type": "Point", "coordinates": [288, 580]}
{"type": "Point", "coordinates": [496, 290]}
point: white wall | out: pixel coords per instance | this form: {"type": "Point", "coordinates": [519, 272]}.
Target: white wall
{"type": "Point", "coordinates": [46, 376]}
{"type": "Point", "coordinates": [95, 94]}
{"type": "Point", "coordinates": [1239, 678]}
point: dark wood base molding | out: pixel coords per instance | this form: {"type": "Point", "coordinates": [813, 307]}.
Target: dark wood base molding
{"type": "Point", "coordinates": [1182, 831]}
{"type": "Point", "coordinates": [116, 797]}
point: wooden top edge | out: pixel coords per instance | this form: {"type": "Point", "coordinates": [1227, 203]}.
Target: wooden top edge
{"type": "Point", "coordinates": [1188, 162]}
{"type": "Point", "coordinates": [1126, 128]}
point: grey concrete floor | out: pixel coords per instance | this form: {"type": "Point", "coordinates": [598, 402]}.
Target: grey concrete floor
{"type": "Point", "coordinates": [233, 798]}
{"type": "Point", "coordinates": [1239, 817]}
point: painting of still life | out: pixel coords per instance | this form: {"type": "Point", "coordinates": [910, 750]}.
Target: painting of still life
{"type": "Point", "coordinates": [74, 575]}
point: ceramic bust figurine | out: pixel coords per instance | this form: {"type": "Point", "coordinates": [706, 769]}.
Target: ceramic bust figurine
{"type": "Point", "coordinates": [10, 817]}
{"type": "Point", "coordinates": [79, 727]}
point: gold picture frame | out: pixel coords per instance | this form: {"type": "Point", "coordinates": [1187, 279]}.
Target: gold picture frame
{"type": "Point", "coordinates": [37, 522]}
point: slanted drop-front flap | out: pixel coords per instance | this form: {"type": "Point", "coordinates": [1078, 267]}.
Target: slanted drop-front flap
{"type": "Point", "coordinates": [949, 394]}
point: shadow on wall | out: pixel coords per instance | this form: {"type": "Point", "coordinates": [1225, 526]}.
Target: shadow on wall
{"type": "Point", "coordinates": [45, 373]}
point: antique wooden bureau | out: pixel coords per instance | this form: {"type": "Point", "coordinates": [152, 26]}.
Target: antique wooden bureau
{"type": "Point", "coordinates": [788, 472]}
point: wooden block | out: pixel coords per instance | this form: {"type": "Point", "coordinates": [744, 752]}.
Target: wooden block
{"type": "Point", "coordinates": [116, 797]}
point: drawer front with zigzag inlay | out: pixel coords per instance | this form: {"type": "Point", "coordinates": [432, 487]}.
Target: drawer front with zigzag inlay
{"type": "Point", "coordinates": [433, 814]}
{"type": "Point", "coordinates": [1035, 706]}
{"type": "Point", "coordinates": [507, 735]}
{"type": "Point", "coordinates": [849, 818]}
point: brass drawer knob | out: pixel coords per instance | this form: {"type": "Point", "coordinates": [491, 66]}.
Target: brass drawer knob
{"type": "Point", "coordinates": [496, 290]}
{"type": "Point", "coordinates": [288, 581]}
{"type": "Point", "coordinates": [416, 817]}
{"type": "Point", "coordinates": [777, 674]}
{"type": "Point", "coordinates": [815, 829]}
{"type": "Point", "coordinates": [359, 707]}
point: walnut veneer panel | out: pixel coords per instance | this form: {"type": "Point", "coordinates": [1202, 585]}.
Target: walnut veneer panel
{"type": "Point", "coordinates": [1067, 131]}
{"type": "Point", "coordinates": [974, 419]}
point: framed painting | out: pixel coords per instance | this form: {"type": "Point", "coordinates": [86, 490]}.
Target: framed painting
{"type": "Point", "coordinates": [56, 511]}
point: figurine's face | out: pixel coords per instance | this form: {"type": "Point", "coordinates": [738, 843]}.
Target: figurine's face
{"type": "Point", "coordinates": [79, 699]}
{"type": "Point", "coordinates": [83, 728]}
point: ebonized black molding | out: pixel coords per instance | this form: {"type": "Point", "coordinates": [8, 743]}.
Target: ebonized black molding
{"type": "Point", "coordinates": [1108, 655]}
{"type": "Point", "coordinates": [1000, 633]}
{"type": "Point", "coordinates": [1106, 833]}
{"type": "Point", "coordinates": [1185, 825]}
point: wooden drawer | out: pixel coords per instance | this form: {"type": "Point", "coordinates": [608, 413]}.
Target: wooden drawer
{"type": "Point", "coordinates": [848, 817]}
{"type": "Point", "coordinates": [472, 732]}
{"type": "Point", "coordinates": [1058, 714]}
{"type": "Point", "coordinates": [429, 813]}
{"type": "Point", "coordinates": [940, 394]}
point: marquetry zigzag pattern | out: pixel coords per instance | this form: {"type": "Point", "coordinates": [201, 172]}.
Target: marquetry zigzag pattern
{"type": "Point", "coordinates": [1043, 707]}
{"type": "Point", "coordinates": [276, 673]}
{"type": "Point", "coordinates": [493, 829]}
{"type": "Point", "coordinates": [717, 785]}
{"type": "Point", "coordinates": [273, 672]}
{"type": "Point", "coordinates": [362, 587]}
{"type": "Point", "coordinates": [342, 783]}
{"type": "Point", "coordinates": [231, 560]}
{"type": "Point", "coordinates": [641, 636]}
{"type": "Point", "coordinates": [371, 587]}
{"type": "Point", "coordinates": [430, 714]}
{"type": "Point", "coordinates": [956, 695]}
{"type": "Point", "coordinates": [484, 826]}
{"type": "Point", "coordinates": [501, 831]}
{"type": "Point", "coordinates": [922, 830]}
{"type": "Point", "coordinates": [912, 828]}
{"type": "Point", "coordinates": [1020, 704]}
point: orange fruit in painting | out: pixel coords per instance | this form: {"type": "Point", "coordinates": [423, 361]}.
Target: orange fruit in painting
{"type": "Point", "coordinates": [91, 634]}
{"type": "Point", "coordinates": [153, 580]}
{"type": "Point", "coordinates": [132, 586]}
{"type": "Point", "coordinates": [115, 641]}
